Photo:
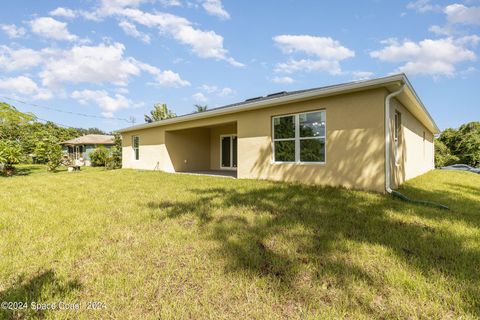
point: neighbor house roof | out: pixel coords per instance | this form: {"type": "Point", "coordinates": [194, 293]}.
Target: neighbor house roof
{"type": "Point", "coordinates": [91, 139]}
{"type": "Point", "coordinates": [408, 98]}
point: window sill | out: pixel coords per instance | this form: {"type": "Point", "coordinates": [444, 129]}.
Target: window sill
{"type": "Point", "coordinates": [299, 163]}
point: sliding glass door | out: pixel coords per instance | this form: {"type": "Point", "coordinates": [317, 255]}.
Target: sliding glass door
{"type": "Point", "coordinates": [228, 152]}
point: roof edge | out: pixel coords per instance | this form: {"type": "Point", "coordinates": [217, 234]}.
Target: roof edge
{"type": "Point", "coordinates": [302, 95]}
{"type": "Point", "coordinates": [420, 103]}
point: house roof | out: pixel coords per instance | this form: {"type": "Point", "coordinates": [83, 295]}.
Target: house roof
{"type": "Point", "coordinates": [91, 139]}
{"type": "Point", "coordinates": [409, 98]}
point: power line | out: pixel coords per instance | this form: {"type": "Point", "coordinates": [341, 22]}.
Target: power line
{"type": "Point", "coordinates": [64, 111]}
{"type": "Point", "coordinates": [58, 124]}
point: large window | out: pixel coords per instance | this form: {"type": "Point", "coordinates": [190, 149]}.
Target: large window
{"type": "Point", "coordinates": [397, 123]}
{"type": "Point", "coordinates": [299, 137]}
{"type": "Point", "coordinates": [136, 146]}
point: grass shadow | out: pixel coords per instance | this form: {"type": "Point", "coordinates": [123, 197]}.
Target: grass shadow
{"type": "Point", "coordinates": [327, 218]}
{"type": "Point", "coordinates": [44, 287]}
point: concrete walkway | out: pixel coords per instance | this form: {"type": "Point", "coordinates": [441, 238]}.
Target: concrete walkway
{"type": "Point", "coordinates": [214, 173]}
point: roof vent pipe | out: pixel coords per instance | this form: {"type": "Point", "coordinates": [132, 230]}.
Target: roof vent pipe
{"type": "Point", "coordinates": [387, 137]}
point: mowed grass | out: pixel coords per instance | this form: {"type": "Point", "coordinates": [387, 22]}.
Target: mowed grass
{"type": "Point", "coordinates": [153, 245]}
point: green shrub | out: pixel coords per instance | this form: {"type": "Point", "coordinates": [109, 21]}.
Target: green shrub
{"type": "Point", "coordinates": [99, 156]}
{"type": "Point", "coordinates": [115, 160]}
{"type": "Point", "coordinates": [443, 157]}
{"type": "Point", "coordinates": [463, 144]}
{"type": "Point", "coordinates": [54, 157]}
{"type": "Point", "coordinates": [10, 154]}
{"type": "Point", "coordinates": [50, 153]}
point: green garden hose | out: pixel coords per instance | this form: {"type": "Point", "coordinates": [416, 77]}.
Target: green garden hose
{"type": "Point", "coordinates": [424, 202]}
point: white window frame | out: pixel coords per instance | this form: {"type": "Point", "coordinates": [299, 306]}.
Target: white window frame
{"type": "Point", "coordinates": [134, 149]}
{"type": "Point", "coordinates": [397, 128]}
{"type": "Point", "coordinates": [424, 150]}
{"type": "Point", "coordinates": [231, 152]}
{"type": "Point", "coordinates": [297, 138]}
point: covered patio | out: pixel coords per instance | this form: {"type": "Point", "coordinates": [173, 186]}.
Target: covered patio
{"type": "Point", "coordinates": [209, 150]}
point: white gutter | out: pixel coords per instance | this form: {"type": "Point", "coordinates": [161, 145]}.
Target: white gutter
{"type": "Point", "coordinates": [387, 137]}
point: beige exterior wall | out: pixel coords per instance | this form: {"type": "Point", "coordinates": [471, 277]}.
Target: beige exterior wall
{"type": "Point", "coordinates": [189, 149]}
{"type": "Point", "coordinates": [354, 143]}
{"type": "Point", "coordinates": [158, 145]}
{"type": "Point", "coordinates": [415, 147]}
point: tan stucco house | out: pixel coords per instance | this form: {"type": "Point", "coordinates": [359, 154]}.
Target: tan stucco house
{"type": "Point", "coordinates": [370, 135]}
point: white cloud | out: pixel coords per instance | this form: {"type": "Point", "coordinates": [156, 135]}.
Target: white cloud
{"type": "Point", "coordinates": [283, 80]}
{"type": "Point", "coordinates": [461, 14]}
{"type": "Point", "coordinates": [166, 78]}
{"type": "Point", "coordinates": [205, 44]}
{"type": "Point", "coordinates": [199, 97]}
{"type": "Point", "coordinates": [431, 57]}
{"type": "Point", "coordinates": [12, 60]}
{"type": "Point", "coordinates": [226, 91]}
{"type": "Point", "coordinates": [84, 64]}
{"type": "Point", "coordinates": [215, 8]}
{"type": "Point", "coordinates": [108, 6]}
{"type": "Point", "coordinates": [101, 64]}
{"type": "Point", "coordinates": [423, 6]}
{"type": "Point", "coordinates": [309, 65]}
{"type": "Point", "coordinates": [171, 3]}
{"type": "Point", "coordinates": [50, 28]}
{"type": "Point", "coordinates": [24, 86]}
{"type": "Point", "coordinates": [131, 30]}
{"type": "Point", "coordinates": [169, 78]}
{"type": "Point", "coordinates": [447, 30]}
{"type": "Point", "coordinates": [12, 31]}
{"type": "Point", "coordinates": [90, 64]}
{"type": "Point", "coordinates": [121, 90]}
{"type": "Point", "coordinates": [362, 75]}
{"type": "Point", "coordinates": [108, 104]}
{"type": "Point", "coordinates": [328, 53]}
{"type": "Point", "coordinates": [209, 88]}
{"type": "Point", "coordinates": [322, 47]}
{"type": "Point", "coordinates": [63, 12]}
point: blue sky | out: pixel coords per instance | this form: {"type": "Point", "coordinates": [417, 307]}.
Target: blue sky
{"type": "Point", "coordinates": [116, 58]}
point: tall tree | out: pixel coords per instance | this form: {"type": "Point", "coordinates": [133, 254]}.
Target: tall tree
{"type": "Point", "coordinates": [12, 121]}
{"type": "Point", "coordinates": [159, 112]}
{"type": "Point", "coordinates": [200, 108]}
{"type": "Point", "coordinates": [468, 147]}
{"type": "Point", "coordinates": [462, 145]}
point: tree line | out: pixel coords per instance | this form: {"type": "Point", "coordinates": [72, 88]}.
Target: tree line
{"type": "Point", "coordinates": [460, 145]}
{"type": "Point", "coordinates": [23, 139]}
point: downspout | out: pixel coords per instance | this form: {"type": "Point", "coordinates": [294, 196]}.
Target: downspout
{"type": "Point", "coordinates": [387, 157]}
{"type": "Point", "coordinates": [387, 137]}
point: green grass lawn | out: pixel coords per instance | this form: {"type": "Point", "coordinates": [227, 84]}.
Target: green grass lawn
{"type": "Point", "coordinates": [156, 245]}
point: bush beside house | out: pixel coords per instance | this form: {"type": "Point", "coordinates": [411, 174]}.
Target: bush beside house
{"type": "Point", "coordinates": [98, 157]}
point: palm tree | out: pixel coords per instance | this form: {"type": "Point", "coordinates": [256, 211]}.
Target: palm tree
{"type": "Point", "coordinates": [200, 108]}
{"type": "Point", "coordinates": [159, 112]}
